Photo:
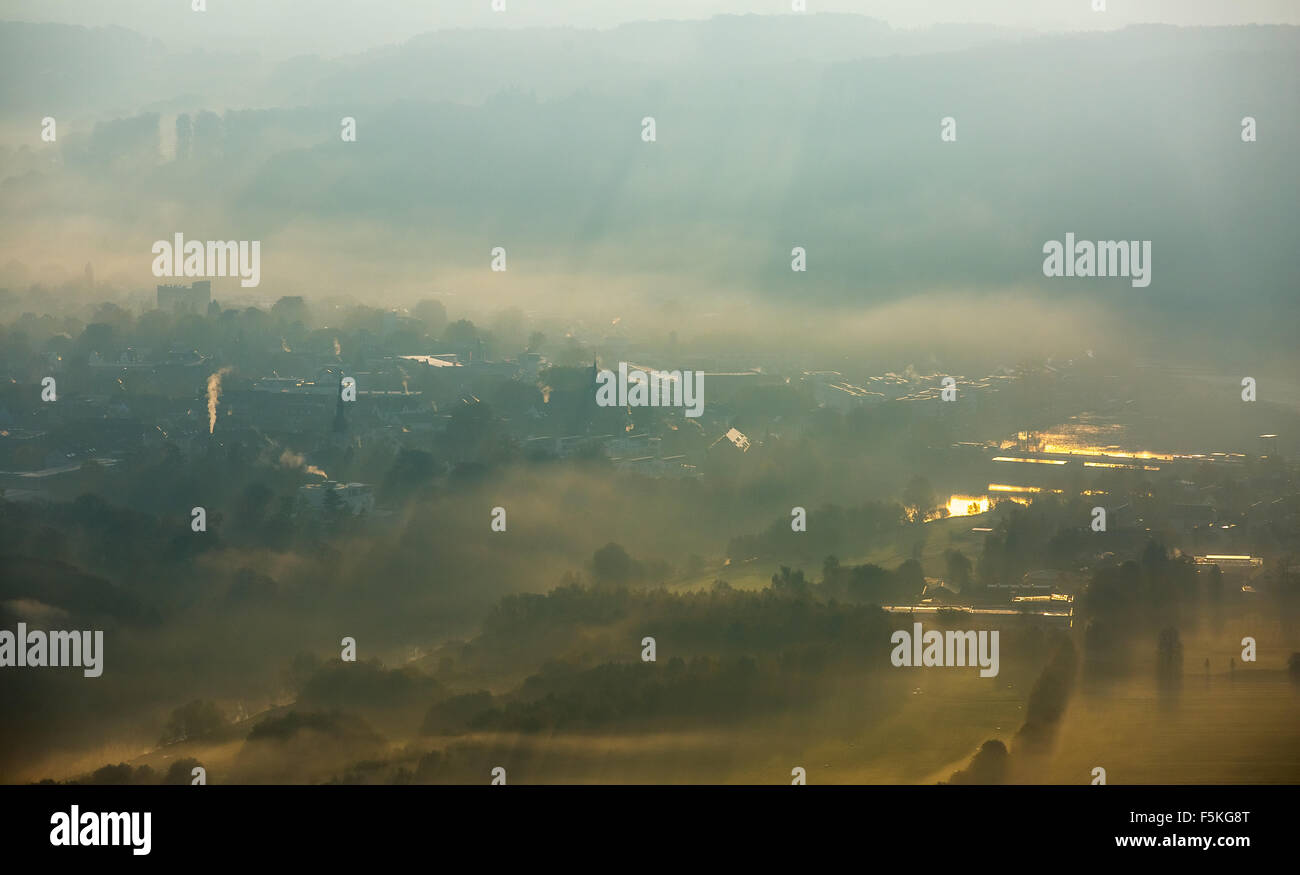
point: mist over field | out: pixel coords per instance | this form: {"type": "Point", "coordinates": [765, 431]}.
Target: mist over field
{"type": "Point", "coordinates": [498, 546]}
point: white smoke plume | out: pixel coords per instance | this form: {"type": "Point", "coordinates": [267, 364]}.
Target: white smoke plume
{"type": "Point", "coordinates": [290, 459]}
{"type": "Point", "coordinates": [214, 393]}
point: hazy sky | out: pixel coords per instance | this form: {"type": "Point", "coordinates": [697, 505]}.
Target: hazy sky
{"type": "Point", "coordinates": [340, 26]}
